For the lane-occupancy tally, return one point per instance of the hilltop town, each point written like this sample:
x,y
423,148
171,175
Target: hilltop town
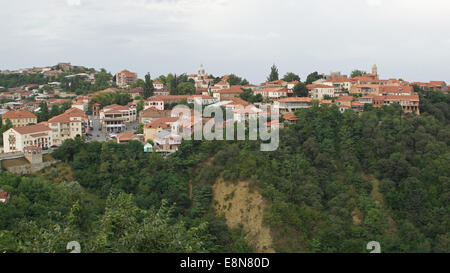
x,y
64,101
359,157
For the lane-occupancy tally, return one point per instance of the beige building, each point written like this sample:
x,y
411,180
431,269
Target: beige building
x,y
20,118
68,125
114,118
17,139
319,91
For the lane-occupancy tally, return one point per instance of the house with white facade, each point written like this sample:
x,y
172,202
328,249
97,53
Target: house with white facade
x,y
18,138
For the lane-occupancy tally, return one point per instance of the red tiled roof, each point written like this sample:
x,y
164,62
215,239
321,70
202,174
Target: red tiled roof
x,y
402,97
161,122
19,114
313,86
38,128
345,98
126,136
290,117
232,90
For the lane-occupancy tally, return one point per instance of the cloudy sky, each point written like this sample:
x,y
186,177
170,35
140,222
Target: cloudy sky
x,y
409,39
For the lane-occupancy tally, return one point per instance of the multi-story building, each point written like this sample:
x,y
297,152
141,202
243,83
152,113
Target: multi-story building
x,y
409,104
396,90
166,141
114,118
157,125
202,100
72,123
20,118
319,91
432,85
272,92
18,138
125,78
228,94
286,105
159,102
366,89
340,83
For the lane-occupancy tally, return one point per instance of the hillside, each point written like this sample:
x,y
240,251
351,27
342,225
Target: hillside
x,y
336,182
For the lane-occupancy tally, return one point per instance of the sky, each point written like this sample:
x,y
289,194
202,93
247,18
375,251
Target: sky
x,y
408,39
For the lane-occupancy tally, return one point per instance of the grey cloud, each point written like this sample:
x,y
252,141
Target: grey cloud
x,y
408,39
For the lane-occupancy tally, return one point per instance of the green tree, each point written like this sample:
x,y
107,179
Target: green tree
x,y
185,88
148,86
358,73
300,90
43,114
273,76
102,80
313,77
290,77
235,80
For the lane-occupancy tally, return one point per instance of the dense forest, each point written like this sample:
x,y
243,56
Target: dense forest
x,y
337,181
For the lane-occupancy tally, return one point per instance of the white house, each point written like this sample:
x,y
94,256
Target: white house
x,y
16,139
272,92
158,85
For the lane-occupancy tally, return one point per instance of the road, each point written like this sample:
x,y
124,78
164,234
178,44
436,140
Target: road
x,y
98,134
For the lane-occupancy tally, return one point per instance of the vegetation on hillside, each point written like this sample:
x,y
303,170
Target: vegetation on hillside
x,y
337,181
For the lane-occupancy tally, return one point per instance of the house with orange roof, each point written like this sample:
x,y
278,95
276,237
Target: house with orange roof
x,y
159,102
368,99
18,138
278,83
157,125
201,99
396,90
319,91
125,78
272,92
409,103
344,103
437,86
228,94
221,85
340,83
20,118
4,196
366,89
69,125
158,85
290,117
286,105
127,137
149,114
357,106
326,102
